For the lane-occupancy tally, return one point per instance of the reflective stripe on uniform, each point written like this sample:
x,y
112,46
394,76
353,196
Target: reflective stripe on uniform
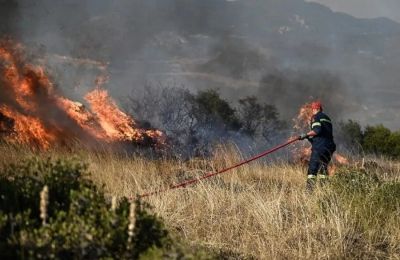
x,y
315,124
325,120
310,176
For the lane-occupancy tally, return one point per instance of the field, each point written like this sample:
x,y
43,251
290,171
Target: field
x,y
259,211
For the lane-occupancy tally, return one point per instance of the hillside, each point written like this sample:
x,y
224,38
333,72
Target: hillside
x,y
195,43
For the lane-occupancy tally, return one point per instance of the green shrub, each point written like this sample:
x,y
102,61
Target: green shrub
x,y
376,139
21,184
80,221
350,182
150,233
394,145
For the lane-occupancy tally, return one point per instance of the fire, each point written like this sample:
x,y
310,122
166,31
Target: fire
x,y
302,121
302,151
28,129
35,113
116,124
341,159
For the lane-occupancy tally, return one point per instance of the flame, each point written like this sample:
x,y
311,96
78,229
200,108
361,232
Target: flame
x,y
302,121
302,151
29,130
33,111
84,118
341,159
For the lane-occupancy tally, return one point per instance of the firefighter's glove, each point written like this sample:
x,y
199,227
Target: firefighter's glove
x,y
303,136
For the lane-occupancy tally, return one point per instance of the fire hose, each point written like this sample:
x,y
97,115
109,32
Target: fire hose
x,y
209,175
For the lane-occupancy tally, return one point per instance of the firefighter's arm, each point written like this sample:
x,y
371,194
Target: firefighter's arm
x,y
312,133
308,135
316,130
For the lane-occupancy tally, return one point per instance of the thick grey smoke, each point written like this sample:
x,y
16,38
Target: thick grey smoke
x,y
285,52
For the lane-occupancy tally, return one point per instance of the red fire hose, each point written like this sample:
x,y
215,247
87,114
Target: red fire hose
x,y
209,175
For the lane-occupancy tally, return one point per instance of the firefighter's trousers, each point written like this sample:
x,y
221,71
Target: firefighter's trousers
x,y
318,166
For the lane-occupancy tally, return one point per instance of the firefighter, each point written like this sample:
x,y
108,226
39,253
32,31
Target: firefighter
x,y
323,145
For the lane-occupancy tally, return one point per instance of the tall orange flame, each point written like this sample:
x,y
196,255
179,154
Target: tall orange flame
x,y
38,115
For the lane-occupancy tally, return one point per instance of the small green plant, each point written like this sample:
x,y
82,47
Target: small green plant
x,y
349,182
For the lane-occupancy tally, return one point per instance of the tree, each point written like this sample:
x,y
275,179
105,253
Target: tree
x,y
258,119
376,139
168,108
393,148
351,134
211,109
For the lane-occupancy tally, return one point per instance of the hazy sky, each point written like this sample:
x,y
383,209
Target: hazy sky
x,y
365,8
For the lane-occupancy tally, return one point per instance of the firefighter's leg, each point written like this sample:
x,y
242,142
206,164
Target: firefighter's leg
x,y
313,169
323,172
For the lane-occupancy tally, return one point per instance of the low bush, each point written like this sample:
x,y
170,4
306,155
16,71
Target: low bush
x,y
76,221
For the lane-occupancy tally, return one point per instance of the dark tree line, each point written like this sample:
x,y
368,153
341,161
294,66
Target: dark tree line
x,y
377,139
194,122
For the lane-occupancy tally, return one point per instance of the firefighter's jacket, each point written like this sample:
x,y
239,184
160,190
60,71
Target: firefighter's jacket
x,y
321,124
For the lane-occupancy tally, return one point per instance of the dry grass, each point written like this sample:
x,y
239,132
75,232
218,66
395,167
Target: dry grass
x,y
257,211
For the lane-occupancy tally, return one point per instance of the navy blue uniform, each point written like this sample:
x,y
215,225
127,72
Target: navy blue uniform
x,y
323,146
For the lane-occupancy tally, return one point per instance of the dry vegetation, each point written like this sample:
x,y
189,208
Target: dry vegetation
x,y
258,211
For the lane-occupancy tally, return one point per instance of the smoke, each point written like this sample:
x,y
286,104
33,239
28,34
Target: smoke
x,y
288,90
284,52
8,10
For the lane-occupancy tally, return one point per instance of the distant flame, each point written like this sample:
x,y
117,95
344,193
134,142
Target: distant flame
x,y
39,116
